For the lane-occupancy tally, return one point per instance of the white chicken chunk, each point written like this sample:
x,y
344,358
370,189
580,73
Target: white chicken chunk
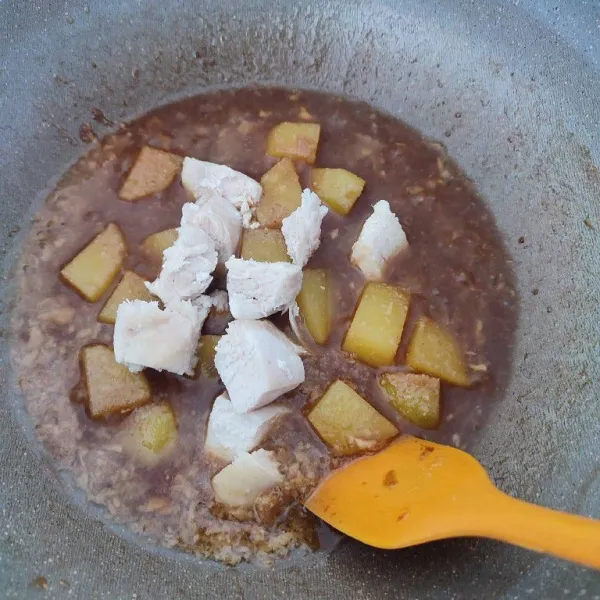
x,y
381,238
231,433
259,289
257,364
187,268
198,176
246,478
216,217
302,229
165,340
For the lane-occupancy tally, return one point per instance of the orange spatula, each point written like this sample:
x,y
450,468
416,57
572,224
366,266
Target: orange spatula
x,y
416,491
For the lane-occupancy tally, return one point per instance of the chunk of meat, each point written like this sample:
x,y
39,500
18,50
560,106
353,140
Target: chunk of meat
x,y
257,364
259,289
198,176
153,171
187,268
216,217
230,433
246,478
302,229
381,238
165,340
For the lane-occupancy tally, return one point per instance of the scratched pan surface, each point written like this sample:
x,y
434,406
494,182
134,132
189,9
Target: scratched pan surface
x,y
525,78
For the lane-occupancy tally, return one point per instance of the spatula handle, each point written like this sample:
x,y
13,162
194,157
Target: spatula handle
x,y
541,529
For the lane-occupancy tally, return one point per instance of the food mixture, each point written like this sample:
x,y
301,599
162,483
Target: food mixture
x,y
239,292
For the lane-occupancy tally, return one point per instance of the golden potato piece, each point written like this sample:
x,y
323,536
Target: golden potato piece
x,y
131,287
415,397
264,245
206,356
92,271
337,188
150,432
376,329
281,194
347,423
295,140
153,171
314,301
433,350
111,387
154,245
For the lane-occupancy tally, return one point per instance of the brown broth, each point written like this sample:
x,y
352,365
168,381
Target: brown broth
x,y
456,269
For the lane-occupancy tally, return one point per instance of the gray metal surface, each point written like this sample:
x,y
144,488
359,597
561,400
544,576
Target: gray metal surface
x,y
525,79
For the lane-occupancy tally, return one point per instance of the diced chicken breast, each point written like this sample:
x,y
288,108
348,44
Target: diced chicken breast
x,y
197,176
259,289
257,364
381,238
246,478
165,340
219,301
187,268
302,229
231,433
216,217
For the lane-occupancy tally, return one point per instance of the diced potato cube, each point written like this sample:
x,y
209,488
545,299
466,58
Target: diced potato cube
x,y
433,350
131,287
337,188
347,423
264,245
111,387
206,356
92,271
281,194
150,432
376,329
314,301
154,245
415,397
295,140
153,171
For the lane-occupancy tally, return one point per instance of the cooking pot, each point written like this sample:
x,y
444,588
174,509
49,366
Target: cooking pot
x,y
513,91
